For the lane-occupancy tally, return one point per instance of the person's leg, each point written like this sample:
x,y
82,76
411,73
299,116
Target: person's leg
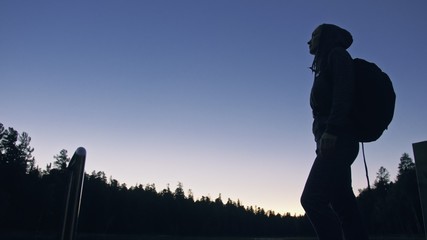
x,y
316,199
344,202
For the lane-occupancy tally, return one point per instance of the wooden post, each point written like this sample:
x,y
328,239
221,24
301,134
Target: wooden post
x,y
420,153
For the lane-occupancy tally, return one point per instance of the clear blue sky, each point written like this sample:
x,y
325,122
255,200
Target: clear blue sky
x,y
213,94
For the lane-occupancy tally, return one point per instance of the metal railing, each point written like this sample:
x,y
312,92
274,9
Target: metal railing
x,y
75,175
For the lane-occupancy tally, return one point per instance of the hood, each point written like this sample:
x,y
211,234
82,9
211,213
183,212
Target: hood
x,y
333,36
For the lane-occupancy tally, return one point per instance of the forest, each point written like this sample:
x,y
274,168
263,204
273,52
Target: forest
x,y
32,200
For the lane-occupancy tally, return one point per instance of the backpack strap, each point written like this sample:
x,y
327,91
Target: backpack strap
x,y
366,166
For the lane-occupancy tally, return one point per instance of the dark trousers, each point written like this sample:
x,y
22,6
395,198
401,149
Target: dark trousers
x,y
328,197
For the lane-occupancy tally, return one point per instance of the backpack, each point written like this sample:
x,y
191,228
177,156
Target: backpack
x,y
374,100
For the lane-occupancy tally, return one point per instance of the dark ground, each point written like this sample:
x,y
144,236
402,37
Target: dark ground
x,y
29,236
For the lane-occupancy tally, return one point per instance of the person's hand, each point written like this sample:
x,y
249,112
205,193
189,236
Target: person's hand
x,y
327,143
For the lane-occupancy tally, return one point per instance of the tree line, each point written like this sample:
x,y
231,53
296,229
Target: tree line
x,y
33,200
394,207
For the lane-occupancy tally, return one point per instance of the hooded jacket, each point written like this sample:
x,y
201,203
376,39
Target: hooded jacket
x,y
332,94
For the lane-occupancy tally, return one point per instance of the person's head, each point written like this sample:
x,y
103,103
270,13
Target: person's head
x,y
313,44
327,36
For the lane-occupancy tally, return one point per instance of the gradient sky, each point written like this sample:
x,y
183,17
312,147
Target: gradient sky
x,y
213,94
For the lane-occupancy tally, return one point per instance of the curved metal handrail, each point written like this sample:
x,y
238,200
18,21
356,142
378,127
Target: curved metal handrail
x,y
75,175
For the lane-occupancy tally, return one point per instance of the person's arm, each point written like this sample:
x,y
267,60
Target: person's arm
x,y
342,73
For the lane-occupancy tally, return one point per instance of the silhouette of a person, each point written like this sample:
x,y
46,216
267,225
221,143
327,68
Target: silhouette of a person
x,y
328,197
